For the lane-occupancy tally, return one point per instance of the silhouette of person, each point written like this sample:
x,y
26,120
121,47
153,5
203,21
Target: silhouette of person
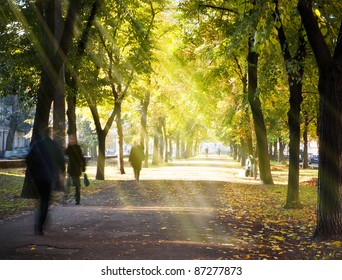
x,y
44,162
136,157
76,165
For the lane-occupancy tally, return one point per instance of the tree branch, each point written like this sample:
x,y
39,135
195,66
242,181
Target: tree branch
x,y
281,34
67,35
338,49
315,36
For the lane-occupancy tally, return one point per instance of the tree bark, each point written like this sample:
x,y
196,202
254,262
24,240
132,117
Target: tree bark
x,y
329,212
13,123
71,102
155,157
166,147
178,151
100,168
121,164
143,120
243,155
281,156
258,118
305,140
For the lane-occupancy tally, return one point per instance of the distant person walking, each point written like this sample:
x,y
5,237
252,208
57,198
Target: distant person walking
x,y
44,162
76,165
136,157
206,151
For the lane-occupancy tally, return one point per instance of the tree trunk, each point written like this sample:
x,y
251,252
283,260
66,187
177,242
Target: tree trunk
x,y
235,151
183,152
53,55
101,135
258,118
178,152
146,151
121,164
292,200
143,120
13,124
305,140
275,150
71,79
243,152
166,147
281,156
59,109
59,87
100,169
71,101
160,129
329,220
155,157
189,148
329,212
170,147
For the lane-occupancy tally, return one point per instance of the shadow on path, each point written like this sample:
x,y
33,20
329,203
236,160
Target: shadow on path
x,y
170,214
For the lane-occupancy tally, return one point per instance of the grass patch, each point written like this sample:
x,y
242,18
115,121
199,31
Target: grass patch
x,y
11,203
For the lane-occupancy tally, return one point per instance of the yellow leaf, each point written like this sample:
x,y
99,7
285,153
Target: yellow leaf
x,y
318,13
279,238
337,244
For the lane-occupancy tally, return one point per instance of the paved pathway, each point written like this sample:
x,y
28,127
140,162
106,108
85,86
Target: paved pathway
x,y
114,225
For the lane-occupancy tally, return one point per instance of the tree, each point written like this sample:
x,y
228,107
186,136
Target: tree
x,y
119,50
234,20
294,65
71,72
52,43
329,220
53,46
254,101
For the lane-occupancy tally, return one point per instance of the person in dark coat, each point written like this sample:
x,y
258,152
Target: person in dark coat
x,y
76,165
136,157
45,162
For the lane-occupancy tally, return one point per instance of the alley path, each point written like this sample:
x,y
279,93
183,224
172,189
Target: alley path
x,y
170,214
190,209
201,168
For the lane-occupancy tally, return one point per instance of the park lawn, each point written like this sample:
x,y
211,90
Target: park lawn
x,y
11,203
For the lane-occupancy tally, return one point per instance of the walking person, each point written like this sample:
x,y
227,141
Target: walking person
x,y
76,165
45,162
136,157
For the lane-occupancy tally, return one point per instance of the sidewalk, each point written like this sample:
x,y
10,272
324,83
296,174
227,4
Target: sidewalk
x,y
117,224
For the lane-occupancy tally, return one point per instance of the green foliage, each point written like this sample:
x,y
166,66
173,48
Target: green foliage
x,y
189,55
19,74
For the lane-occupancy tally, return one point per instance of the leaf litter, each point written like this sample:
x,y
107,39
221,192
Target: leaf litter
x,y
245,221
